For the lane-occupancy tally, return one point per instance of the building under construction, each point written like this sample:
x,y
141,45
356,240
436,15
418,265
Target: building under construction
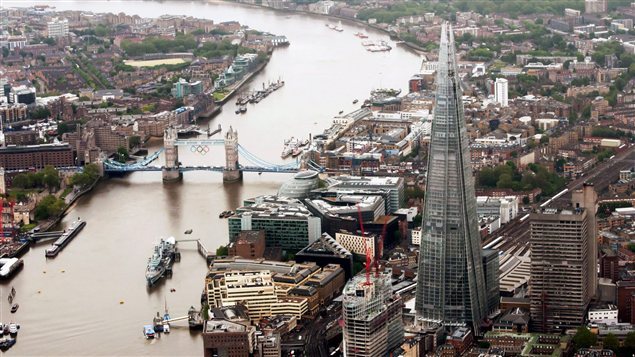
x,y
372,316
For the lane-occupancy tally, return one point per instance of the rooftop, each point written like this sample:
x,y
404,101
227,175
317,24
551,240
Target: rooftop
x,y
326,245
356,181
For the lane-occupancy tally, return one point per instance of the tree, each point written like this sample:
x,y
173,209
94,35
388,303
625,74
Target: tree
x,y
122,154
610,342
583,338
629,341
41,113
51,178
572,117
134,141
222,251
620,83
50,206
21,181
86,178
559,165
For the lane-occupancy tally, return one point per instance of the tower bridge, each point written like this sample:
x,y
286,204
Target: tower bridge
x,y
173,170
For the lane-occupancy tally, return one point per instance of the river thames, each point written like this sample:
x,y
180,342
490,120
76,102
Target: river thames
x,y
92,299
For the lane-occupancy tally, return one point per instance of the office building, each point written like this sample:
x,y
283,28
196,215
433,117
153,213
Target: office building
x,y
451,288
300,185
506,208
343,211
357,243
595,6
325,251
626,300
560,273
248,244
491,266
256,290
501,90
609,264
603,314
286,222
372,316
390,188
228,332
23,95
270,288
57,28
269,345
183,88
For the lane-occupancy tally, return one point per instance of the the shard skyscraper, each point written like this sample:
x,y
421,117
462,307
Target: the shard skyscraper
x,y
450,283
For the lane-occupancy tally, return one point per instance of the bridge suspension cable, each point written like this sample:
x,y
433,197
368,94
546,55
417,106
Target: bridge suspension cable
x,y
260,162
118,166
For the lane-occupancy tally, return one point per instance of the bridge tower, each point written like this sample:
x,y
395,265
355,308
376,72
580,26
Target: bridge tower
x,y
171,171
232,170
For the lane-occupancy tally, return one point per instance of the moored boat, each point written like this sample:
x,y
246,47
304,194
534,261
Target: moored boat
x,y
6,343
148,331
161,261
65,238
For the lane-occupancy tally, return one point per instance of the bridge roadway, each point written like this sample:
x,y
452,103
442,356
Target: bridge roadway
x,y
516,232
205,168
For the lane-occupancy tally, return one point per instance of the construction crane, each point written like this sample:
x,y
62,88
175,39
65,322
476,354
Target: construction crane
x,y
369,259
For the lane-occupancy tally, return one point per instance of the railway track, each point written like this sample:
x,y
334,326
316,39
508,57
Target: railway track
x,y
515,234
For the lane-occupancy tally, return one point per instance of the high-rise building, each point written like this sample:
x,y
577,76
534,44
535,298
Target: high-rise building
x,y
57,28
559,268
491,266
595,6
451,287
501,89
587,198
372,316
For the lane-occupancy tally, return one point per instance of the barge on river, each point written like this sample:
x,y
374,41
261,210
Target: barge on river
x,y
65,238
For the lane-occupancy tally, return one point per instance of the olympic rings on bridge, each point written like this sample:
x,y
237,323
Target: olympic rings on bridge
x,y
201,149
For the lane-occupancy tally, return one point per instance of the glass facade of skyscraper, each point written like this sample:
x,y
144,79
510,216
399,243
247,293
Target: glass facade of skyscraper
x,y
451,286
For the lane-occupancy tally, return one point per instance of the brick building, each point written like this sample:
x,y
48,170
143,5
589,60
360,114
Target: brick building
x,y
36,156
248,244
20,138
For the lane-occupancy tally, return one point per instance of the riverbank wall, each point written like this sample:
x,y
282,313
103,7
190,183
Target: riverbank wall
x,y
57,219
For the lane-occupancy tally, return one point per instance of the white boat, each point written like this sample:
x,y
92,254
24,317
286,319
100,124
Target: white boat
x,y
379,46
339,27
